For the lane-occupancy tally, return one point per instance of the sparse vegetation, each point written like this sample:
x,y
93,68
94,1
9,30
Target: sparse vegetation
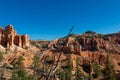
x,y
1,67
51,66
97,70
1,56
109,71
79,75
19,72
90,32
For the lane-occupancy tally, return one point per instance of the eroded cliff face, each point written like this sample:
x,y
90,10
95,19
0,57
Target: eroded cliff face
x,y
86,47
87,42
9,38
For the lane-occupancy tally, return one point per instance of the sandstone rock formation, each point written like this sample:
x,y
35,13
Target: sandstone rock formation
x,y
86,49
87,42
9,37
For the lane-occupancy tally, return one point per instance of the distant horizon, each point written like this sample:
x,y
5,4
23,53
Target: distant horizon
x,y
72,33
51,19
3,27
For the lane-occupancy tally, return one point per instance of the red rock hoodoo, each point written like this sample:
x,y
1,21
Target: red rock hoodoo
x,y
9,37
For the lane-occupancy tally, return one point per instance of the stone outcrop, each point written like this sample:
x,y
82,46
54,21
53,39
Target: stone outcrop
x,y
9,37
87,42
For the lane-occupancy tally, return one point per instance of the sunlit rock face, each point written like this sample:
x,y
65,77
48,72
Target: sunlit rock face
x,y
9,37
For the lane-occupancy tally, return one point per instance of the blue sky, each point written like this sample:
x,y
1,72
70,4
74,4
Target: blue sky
x,y
51,19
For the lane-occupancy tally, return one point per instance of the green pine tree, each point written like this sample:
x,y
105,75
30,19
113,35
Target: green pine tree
x,y
79,75
109,71
97,70
36,65
69,69
66,73
1,69
1,56
19,73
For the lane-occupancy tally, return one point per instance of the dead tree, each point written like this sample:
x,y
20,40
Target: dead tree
x,y
53,69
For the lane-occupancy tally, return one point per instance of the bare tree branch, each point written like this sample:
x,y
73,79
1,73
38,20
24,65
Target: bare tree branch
x,y
53,69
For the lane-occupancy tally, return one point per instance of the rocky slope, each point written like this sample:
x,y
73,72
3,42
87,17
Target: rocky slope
x,y
89,46
86,48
